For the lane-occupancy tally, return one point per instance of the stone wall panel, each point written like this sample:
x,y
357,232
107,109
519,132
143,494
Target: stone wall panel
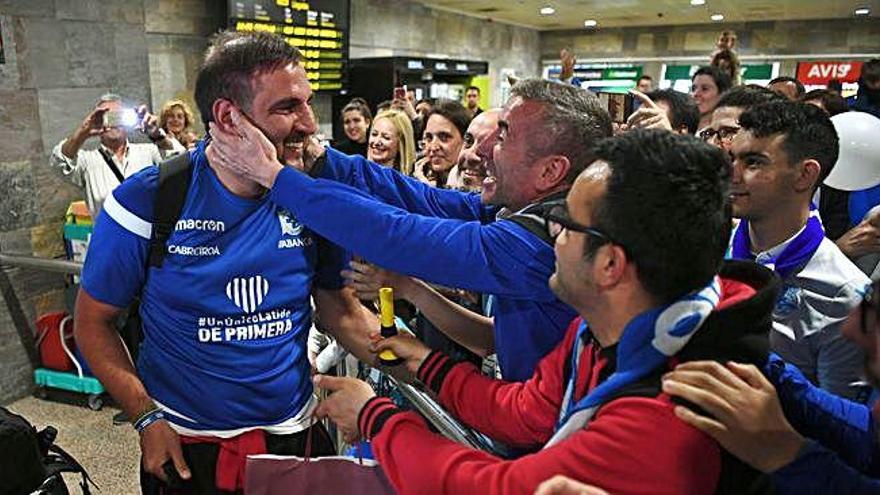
x,y
63,110
17,205
91,54
53,192
19,125
41,46
28,8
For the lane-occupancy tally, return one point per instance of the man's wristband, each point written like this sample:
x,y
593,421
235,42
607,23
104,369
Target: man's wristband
x,y
148,418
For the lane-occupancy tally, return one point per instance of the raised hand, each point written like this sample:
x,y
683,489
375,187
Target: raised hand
x,y
244,150
746,416
862,239
366,279
93,124
649,115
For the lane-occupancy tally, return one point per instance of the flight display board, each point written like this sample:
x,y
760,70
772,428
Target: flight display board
x,y
318,28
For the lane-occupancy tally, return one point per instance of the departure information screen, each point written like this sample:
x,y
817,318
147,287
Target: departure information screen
x,y
318,28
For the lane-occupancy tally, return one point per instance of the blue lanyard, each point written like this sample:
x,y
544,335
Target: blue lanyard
x,y
570,407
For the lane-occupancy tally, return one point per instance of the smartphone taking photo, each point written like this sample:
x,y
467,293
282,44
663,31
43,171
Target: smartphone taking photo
x,y
619,105
126,117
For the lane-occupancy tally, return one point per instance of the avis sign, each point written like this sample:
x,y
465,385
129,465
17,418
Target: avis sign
x,y
822,72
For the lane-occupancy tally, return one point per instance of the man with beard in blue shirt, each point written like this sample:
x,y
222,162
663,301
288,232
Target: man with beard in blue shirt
x,y
494,242
222,372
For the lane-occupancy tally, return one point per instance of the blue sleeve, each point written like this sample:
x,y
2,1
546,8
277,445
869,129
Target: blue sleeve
x,y
841,425
332,259
500,258
115,267
396,189
820,471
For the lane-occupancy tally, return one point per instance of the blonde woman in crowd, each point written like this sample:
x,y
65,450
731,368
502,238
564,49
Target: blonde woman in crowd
x,y
177,120
392,143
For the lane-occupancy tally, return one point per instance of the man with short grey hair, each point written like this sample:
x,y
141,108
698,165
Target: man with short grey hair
x,y
495,242
100,170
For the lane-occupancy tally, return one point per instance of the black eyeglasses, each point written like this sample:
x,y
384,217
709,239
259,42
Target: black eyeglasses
x,y
557,219
725,134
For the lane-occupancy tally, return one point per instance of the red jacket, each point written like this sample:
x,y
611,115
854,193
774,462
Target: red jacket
x,y
632,445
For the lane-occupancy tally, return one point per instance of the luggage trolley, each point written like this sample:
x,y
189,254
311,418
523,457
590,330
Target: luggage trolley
x,y
79,382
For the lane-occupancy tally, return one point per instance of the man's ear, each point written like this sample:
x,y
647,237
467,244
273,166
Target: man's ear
x,y
807,175
610,265
555,170
222,110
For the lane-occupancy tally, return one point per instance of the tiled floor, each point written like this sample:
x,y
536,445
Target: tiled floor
x,y
109,453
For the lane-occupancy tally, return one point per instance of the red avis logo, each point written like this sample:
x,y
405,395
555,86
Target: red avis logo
x,y
822,72
835,71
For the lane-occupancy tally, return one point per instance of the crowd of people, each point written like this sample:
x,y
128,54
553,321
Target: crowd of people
x,y
673,301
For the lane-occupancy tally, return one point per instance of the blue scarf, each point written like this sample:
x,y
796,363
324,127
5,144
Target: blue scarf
x,y
648,341
794,256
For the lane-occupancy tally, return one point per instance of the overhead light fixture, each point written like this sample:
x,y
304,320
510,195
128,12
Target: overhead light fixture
x,y
548,10
862,11
717,17
591,23
698,2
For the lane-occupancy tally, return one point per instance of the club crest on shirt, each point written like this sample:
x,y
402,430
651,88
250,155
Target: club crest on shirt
x,y
293,234
289,225
788,301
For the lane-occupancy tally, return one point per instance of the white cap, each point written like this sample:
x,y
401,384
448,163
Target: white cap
x,y
858,166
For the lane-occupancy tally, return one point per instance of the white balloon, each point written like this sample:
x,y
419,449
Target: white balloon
x,y
858,166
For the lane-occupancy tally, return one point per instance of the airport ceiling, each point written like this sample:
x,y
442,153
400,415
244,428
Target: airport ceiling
x,y
572,14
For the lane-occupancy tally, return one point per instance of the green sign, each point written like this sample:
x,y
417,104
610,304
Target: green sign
x,y
634,73
676,72
590,72
762,72
749,72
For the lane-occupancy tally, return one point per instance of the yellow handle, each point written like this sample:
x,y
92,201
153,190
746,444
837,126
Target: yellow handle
x,y
387,355
386,306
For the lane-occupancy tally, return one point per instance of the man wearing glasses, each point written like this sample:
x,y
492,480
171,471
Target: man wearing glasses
x,y
725,117
494,242
639,243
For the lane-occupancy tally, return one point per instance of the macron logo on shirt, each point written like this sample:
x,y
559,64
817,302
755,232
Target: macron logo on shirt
x,y
207,225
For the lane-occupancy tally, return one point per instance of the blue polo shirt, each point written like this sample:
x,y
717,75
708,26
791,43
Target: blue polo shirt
x,y
227,316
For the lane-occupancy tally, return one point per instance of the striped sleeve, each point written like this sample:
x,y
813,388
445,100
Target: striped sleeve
x,y
115,266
